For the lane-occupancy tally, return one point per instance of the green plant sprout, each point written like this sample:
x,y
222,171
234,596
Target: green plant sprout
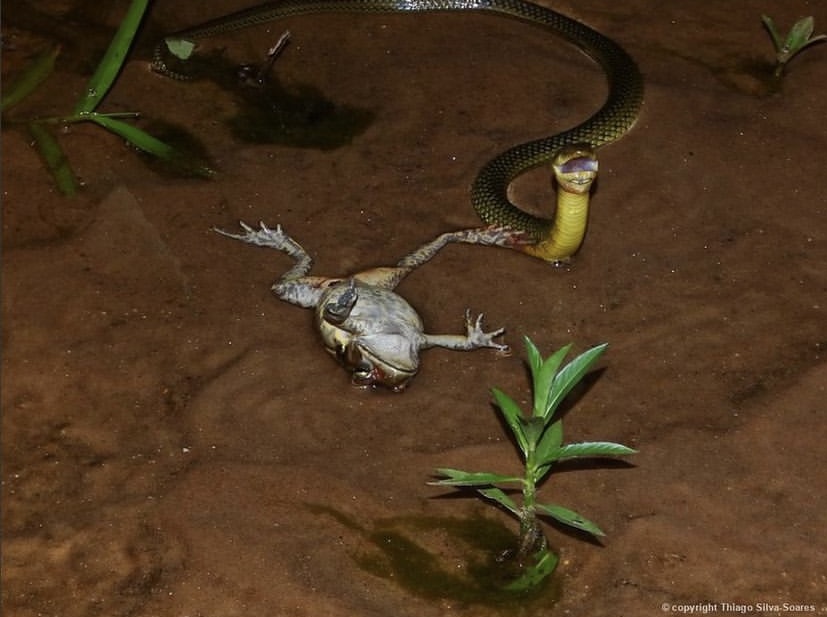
x,y
799,37
85,110
540,440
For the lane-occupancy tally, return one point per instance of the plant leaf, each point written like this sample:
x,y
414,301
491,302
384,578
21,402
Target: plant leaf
x,y
146,142
180,48
497,494
535,360
533,430
549,447
27,82
535,573
593,449
513,417
55,159
457,477
570,376
800,33
570,518
112,62
544,381
770,26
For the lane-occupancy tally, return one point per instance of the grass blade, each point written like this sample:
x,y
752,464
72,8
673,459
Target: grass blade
x,y
149,144
55,159
37,71
112,62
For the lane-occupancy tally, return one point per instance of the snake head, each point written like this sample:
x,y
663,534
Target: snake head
x,y
575,168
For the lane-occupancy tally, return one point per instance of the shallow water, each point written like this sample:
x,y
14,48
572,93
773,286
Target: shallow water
x,y
166,420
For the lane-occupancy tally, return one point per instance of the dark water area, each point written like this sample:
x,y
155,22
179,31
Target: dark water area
x,y
166,420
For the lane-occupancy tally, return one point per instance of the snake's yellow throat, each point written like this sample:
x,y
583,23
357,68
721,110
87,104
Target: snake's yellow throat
x,y
575,169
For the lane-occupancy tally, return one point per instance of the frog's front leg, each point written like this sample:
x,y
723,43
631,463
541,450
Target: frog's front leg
x,y
474,337
294,286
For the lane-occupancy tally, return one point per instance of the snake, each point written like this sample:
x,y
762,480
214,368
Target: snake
x,y
538,236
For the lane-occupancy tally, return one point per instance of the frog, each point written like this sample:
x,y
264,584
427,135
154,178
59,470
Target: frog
x,y
373,332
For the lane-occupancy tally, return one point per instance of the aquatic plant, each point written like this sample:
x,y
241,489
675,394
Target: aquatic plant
x,y
799,37
85,109
539,437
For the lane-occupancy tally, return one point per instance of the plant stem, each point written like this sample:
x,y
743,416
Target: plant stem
x,y
532,538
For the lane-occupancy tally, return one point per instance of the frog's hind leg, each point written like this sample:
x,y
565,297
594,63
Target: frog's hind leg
x,y
294,286
492,235
389,278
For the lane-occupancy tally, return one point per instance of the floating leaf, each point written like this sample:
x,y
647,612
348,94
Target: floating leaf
x,y
180,48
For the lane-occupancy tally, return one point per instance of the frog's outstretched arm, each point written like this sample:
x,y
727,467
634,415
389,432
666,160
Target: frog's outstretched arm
x,y
474,337
294,286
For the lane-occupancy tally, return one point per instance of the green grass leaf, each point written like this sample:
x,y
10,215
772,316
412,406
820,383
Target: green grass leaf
x,y
112,62
55,159
570,518
593,449
149,144
27,82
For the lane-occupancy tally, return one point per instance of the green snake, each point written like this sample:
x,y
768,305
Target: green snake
x,y
489,192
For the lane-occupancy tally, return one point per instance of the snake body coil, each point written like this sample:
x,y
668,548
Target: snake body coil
x,y
489,190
